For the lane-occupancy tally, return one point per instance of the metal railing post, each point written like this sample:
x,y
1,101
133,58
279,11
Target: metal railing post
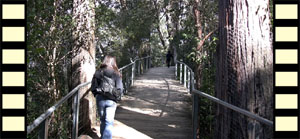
x,y
132,73
139,69
180,73
191,81
142,65
43,133
146,65
195,117
127,79
184,76
195,108
149,62
188,80
75,115
149,59
176,71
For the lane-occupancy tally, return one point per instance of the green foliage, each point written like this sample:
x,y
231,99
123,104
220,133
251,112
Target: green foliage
x,y
121,32
186,41
49,43
125,31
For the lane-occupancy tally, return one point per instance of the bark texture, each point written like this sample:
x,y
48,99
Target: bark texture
x,y
244,68
83,61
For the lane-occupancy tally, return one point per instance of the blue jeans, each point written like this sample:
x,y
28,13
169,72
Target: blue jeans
x,y
106,109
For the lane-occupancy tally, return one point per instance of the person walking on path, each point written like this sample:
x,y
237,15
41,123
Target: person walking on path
x,y
107,104
169,56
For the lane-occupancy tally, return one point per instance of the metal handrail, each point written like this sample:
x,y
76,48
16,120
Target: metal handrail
x,y
43,118
124,67
184,64
45,115
235,108
133,62
190,81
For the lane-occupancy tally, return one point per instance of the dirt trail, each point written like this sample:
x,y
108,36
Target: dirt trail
x,y
157,107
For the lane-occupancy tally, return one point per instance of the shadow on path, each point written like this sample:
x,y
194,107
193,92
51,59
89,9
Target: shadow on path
x,y
157,106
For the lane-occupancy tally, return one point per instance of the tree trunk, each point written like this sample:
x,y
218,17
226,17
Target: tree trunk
x,y
201,38
198,24
244,68
83,60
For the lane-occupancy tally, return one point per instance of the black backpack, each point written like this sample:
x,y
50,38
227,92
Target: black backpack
x,y
105,86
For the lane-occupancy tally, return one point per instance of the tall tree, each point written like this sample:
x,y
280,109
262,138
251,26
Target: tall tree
x,y
83,60
202,36
244,67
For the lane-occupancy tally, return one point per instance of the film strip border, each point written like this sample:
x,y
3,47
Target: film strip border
x,y
286,69
13,68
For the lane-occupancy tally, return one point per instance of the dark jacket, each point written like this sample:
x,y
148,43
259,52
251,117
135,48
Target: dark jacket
x,y
169,56
108,72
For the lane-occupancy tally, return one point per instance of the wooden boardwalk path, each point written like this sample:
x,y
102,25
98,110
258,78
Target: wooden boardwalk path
x,y
157,107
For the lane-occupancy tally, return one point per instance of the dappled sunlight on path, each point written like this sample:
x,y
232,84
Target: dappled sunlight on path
x,y
157,106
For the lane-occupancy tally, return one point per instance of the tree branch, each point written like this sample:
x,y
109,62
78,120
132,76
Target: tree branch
x,y
161,37
204,39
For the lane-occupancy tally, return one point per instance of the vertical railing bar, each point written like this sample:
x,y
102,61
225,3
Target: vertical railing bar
x,y
132,73
191,81
146,63
150,62
180,73
195,108
46,128
143,65
176,71
139,67
149,59
127,79
195,115
75,115
43,132
188,80
149,66
184,76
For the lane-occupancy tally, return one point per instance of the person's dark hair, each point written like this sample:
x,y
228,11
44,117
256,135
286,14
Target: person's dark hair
x,y
110,62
